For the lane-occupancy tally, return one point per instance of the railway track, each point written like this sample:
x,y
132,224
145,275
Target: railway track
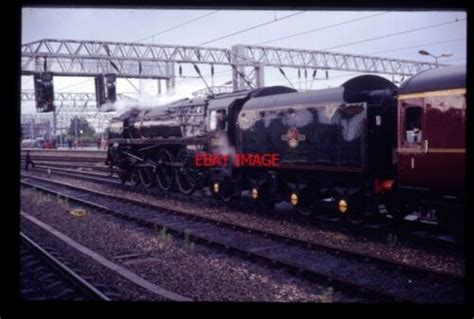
x,y
419,236
86,167
45,277
378,279
32,282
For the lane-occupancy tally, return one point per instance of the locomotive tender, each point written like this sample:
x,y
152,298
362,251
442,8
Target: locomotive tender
x,y
362,148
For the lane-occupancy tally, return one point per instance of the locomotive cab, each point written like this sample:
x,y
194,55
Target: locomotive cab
x,y
223,136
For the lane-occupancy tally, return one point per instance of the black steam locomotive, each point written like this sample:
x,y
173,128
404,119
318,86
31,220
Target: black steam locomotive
x,y
334,148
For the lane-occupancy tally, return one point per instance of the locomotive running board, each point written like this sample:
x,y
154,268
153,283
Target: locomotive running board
x,y
161,141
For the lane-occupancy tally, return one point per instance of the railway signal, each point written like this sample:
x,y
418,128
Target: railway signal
x,y
105,89
44,92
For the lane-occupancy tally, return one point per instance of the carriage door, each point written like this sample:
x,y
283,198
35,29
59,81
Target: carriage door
x,y
412,143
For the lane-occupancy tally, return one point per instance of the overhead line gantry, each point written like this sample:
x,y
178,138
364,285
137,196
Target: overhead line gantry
x,y
156,61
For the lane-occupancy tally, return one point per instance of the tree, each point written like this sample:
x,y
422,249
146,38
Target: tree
x,y
80,127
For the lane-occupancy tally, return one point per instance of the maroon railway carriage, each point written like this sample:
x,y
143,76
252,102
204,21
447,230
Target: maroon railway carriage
x,y
431,146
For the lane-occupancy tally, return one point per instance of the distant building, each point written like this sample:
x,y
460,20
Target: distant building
x,y
32,130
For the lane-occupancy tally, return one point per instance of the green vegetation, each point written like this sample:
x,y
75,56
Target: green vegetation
x,y
38,197
328,295
165,235
81,127
392,240
188,244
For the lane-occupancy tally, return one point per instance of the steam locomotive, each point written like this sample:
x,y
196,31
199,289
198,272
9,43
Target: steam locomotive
x,y
364,148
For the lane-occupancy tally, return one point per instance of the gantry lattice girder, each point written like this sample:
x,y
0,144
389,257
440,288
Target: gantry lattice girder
x,y
47,117
316,59
69,105
71,96
73,57
215,90
125,51
63,119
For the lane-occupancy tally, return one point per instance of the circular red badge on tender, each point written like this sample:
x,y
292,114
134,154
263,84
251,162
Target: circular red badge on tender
x,y
293,137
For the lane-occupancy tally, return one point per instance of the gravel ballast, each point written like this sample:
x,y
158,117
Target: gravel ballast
x,y
399,253
177,265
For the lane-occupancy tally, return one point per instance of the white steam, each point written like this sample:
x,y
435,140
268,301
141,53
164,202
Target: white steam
x,y
143,100
326,113
352,127
299,118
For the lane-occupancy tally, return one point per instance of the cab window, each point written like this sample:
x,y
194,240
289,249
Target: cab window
x,y
413,120
217,120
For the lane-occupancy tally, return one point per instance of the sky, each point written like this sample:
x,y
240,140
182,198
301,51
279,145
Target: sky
x,y
417,30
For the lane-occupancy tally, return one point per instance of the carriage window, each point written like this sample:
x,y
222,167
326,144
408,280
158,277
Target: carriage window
x,y
413,132
217,120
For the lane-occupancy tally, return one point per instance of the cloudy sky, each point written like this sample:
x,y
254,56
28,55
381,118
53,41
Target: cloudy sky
x,y
391,34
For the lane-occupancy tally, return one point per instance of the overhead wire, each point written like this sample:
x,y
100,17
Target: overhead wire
x,y
457,59
251,28
417,46
314,30
334,25
301,33
74,85
394,34
308,31
161,32
248,29
179,25
354,73
173,28
221,73
321,28
398,33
